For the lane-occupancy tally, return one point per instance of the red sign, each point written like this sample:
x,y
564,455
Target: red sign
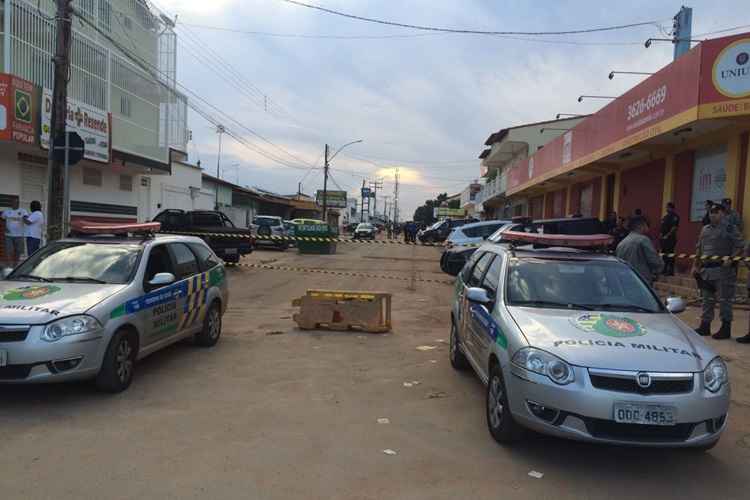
x,y
725,77
18,115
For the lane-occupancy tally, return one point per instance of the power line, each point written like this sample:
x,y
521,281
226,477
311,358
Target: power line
x,y
150,69
468,31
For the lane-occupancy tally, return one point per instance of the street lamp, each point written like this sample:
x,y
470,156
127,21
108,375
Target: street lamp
x,y
570,115
581,98
671,40
543,130
325,176
613,73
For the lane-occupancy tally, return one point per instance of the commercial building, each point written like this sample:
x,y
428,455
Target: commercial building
x,y
133,121
680,135
507,148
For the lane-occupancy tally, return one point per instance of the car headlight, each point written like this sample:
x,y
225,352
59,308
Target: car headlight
x,y
715,375
73,325
544,363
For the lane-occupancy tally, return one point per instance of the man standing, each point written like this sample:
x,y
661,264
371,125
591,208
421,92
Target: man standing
x,y
638,251
14,232
717,275
668,232
732,216
707,205
34,222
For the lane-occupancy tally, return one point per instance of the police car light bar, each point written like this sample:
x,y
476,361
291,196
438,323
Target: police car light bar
x,y
560,240
86,227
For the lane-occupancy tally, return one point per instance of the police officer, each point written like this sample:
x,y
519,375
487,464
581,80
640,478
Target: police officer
x,y
732,216
638,251
717,275
668,232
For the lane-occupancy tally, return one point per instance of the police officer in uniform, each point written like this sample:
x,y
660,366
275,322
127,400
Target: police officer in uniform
x,y
668,233
732,216
717,276
638,251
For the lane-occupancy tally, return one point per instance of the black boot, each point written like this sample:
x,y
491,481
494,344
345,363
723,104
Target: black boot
x,y
724,332
744,340
705,329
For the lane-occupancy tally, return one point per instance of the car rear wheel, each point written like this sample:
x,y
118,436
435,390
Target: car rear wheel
x,y
209,335
458,360
500,421
118,366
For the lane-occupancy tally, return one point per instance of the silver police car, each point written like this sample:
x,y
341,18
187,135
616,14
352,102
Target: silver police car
x,y
90,307
575,344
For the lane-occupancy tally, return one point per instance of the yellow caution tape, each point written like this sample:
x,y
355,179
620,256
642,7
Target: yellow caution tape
x,y
338,273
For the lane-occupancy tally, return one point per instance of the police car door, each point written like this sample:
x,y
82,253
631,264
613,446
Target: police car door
x,y
158,312
191,281
484,325
475,280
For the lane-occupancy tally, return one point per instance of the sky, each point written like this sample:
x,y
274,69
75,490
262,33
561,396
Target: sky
x,y
420,102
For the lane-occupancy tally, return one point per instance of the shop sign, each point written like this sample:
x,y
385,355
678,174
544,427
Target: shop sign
x,y
444,212
90,123
17,113
731,70
709,178
334,199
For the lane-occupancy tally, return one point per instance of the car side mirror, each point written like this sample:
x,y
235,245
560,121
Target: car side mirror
x,y
5,272
162,279
478,296
676,305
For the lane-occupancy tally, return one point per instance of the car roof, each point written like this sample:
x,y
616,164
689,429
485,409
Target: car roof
x,y
134,240
484,223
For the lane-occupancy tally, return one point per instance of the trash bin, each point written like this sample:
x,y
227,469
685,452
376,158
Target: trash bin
x,y
315,231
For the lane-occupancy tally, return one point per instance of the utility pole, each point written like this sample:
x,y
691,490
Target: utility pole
x,y
375,185
395,199
219,130
325,187
56,209
362,210
683,30
299,189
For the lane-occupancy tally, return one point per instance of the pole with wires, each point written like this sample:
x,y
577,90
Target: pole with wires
x,y
219,130
325,186
57,171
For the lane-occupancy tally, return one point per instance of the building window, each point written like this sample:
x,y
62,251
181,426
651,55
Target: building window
x,y
87,7
127,23
125,105
92,176
126,183
105,15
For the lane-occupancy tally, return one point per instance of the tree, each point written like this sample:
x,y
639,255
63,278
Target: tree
x,y
454,204
425,213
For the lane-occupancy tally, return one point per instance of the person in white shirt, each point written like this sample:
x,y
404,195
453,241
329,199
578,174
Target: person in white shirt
x,y
34,222
14,233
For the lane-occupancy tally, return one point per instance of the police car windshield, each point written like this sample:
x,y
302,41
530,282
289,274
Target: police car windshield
x,y
568,283
80,262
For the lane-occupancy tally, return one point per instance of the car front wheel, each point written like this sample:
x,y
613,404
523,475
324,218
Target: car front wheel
x,y
500,421
118,366
211,331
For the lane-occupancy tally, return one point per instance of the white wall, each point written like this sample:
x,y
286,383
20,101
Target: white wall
x,y
10,171
181,190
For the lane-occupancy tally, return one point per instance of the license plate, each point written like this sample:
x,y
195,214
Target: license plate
x,y
642,414
3,358
230,251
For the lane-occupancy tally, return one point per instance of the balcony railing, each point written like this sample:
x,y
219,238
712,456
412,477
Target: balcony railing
x,y
493,188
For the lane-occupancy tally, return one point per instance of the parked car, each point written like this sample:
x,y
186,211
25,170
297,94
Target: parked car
x,y
237,242
90,307
473,233
575,344
569,225
270,231
438,232
365,231
453,259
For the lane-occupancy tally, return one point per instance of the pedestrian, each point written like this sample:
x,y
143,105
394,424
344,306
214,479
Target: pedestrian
x,y
715,272
638,251
746,254
34,222
732,216
14,232
707,205
610,222
670,223
619,232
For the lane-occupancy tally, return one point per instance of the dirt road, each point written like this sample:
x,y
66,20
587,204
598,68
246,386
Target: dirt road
x,y
276,413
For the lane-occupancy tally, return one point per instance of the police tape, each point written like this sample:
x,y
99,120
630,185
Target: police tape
x,y
714,258
310,239
269,267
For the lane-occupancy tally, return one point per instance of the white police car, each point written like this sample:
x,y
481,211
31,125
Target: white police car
x,y
91,306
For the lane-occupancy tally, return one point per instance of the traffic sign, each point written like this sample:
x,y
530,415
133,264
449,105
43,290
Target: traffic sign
x,y
75,147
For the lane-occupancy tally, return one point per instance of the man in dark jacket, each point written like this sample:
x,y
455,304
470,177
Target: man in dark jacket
x,y
638,251
668,237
